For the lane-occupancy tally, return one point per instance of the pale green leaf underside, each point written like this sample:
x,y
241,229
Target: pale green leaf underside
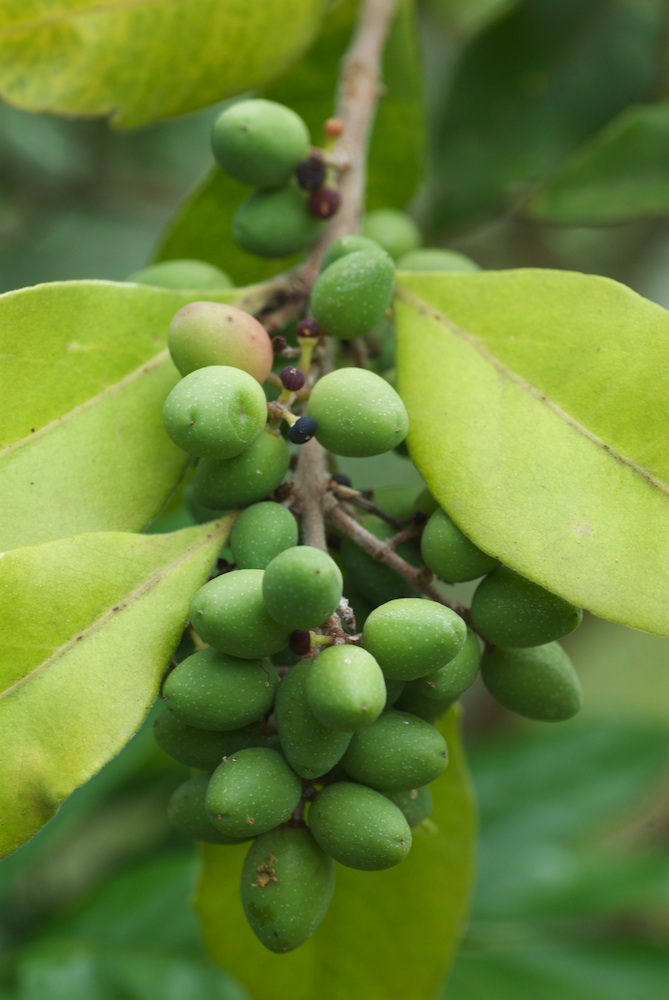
x,y
142,60
538,404
87,625
388,935
85,372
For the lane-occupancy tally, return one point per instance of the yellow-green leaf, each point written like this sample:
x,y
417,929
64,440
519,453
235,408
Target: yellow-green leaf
x,y
538,409
142,60
84,375
87,626
388,935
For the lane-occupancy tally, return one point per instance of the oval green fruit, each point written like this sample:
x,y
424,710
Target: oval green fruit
x,y
203,749
311,748
286,887
345,688
411,637
251,792
351,296
538,682
229,613
182,274
430,696
259,142
397,752
349,244
186,812
510,610
275,223
435,259
357,413
394,230
260,533
246,478
415,803
450,554
302,587
213,333
359,827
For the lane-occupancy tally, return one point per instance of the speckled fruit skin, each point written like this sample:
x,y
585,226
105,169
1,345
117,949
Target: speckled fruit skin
x,y
203,749
349,244
251,792
302,586
430,696
286,887
396,231
411,637
539,682
397,752
435,259
345,688
415,803
213,690
183,274
509,610
259,142
229,613
358,414
450,554
353,293
187,813
215,412
260,533
359,827
244,479
213,333
275,223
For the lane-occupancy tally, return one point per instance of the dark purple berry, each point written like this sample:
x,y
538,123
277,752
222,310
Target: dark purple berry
x,y
308,328
323,203
302,430
311,173
299,642
292,378
279,344
340,478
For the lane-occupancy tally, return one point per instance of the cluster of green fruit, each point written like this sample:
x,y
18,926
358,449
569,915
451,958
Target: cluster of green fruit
x,y
316,738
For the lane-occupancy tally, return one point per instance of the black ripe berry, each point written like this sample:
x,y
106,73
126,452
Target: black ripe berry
x,y
279,344
300,642
302,430
308,328
292,378
311,173
323,203
340,478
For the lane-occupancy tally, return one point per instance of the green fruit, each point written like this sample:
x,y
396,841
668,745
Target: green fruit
x,y
246,478
430,696
412,637
302,587
183,274
357,413
435,259
213,690
213,333
251,792
286,887
311,748
215,412
359,827
275,223
539,682
186,812
259,142
393,691
229,613
450,554
415,803
351,296
198,511
394,230
203,749
510,610
349,244
260,533
345,688
397,752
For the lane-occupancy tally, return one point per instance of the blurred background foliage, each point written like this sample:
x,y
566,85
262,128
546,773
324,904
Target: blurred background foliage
x,y
547,126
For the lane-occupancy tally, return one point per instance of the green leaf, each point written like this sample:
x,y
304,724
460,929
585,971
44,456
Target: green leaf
x,y
88,625
534,87
85,372
621,175
537,402
143,61
391,933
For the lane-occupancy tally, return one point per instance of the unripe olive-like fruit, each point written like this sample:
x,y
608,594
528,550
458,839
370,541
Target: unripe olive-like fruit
x,y
215,412
359,827
311,748
358,414
435,259
396,752
450,554
251,792
186,811
394,230
510,610
539,682
260,533
213,333
259,142
349,244
302,586
229,613
213,690
286,887
430,696
201,748
393,690
244,479
275,223
412,637
415,803
345,688
183,274
352,294
198,511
